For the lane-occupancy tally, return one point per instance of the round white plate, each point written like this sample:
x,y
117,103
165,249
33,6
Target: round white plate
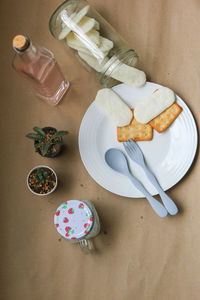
x,y
169,154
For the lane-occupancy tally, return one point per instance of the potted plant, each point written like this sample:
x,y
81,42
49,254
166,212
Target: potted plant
x,y
48,141
42,180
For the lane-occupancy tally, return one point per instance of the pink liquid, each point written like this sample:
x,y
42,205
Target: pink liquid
x,y
38,66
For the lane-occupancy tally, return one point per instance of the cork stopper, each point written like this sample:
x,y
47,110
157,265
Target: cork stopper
x,y
20,42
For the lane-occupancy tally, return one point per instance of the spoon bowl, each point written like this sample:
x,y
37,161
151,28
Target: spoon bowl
x,y
117,161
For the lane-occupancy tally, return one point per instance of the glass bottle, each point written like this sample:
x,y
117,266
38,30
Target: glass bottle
x,y
38,66
95,43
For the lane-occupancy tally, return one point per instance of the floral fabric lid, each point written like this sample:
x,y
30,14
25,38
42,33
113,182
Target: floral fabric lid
x,y
73,219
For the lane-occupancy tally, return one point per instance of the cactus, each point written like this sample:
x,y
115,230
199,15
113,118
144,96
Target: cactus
x,y
44,141
41,176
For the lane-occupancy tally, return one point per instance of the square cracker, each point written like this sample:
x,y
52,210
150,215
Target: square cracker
x,y
165,119
135,131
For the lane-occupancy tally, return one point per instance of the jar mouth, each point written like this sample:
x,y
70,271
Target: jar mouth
x,y
128,57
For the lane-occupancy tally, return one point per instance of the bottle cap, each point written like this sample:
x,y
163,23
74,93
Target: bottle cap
x,y
73,219
20,42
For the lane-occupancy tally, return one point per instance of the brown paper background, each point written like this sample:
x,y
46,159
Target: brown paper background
x,y
140,256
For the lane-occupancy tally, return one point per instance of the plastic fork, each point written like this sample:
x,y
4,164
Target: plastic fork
x,y
135,153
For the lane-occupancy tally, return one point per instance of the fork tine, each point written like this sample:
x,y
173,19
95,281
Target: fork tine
x,y
133,150
136,147
125,145
126,148
133,144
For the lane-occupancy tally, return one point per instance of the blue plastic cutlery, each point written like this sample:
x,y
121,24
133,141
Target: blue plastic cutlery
x,y
135,153
117,161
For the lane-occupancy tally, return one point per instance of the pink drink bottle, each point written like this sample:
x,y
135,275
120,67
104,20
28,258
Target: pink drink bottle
x,y
38,66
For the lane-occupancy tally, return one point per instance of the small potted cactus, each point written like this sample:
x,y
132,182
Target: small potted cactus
x,y
42,180
48,141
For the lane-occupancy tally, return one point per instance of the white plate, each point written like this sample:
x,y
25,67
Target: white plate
x,y
169,155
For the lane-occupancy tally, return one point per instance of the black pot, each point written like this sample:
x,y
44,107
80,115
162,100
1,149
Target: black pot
x,y
59,147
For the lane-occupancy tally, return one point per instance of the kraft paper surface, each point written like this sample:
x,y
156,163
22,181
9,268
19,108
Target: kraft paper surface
x,y
139,255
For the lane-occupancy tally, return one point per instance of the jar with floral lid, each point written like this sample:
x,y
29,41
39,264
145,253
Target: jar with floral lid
x,y
77,221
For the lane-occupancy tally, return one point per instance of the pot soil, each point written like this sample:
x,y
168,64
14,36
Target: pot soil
x,y
42,184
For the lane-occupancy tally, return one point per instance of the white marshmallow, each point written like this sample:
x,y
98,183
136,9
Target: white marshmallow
x,y
86,24
92,61
152,106
114,107
129,75
105,45
74,19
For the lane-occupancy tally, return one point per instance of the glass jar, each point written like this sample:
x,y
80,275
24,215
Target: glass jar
x,y
95,43
77,222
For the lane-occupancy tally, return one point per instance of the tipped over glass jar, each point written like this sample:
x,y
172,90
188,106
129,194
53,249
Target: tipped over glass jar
x,y
96,44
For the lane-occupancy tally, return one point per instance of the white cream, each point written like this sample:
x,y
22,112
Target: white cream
x,y
129,75
91,60
72,20
114,107
152,106
87,24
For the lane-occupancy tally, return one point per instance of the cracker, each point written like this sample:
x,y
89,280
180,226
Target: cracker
x,y
165,119
135,131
